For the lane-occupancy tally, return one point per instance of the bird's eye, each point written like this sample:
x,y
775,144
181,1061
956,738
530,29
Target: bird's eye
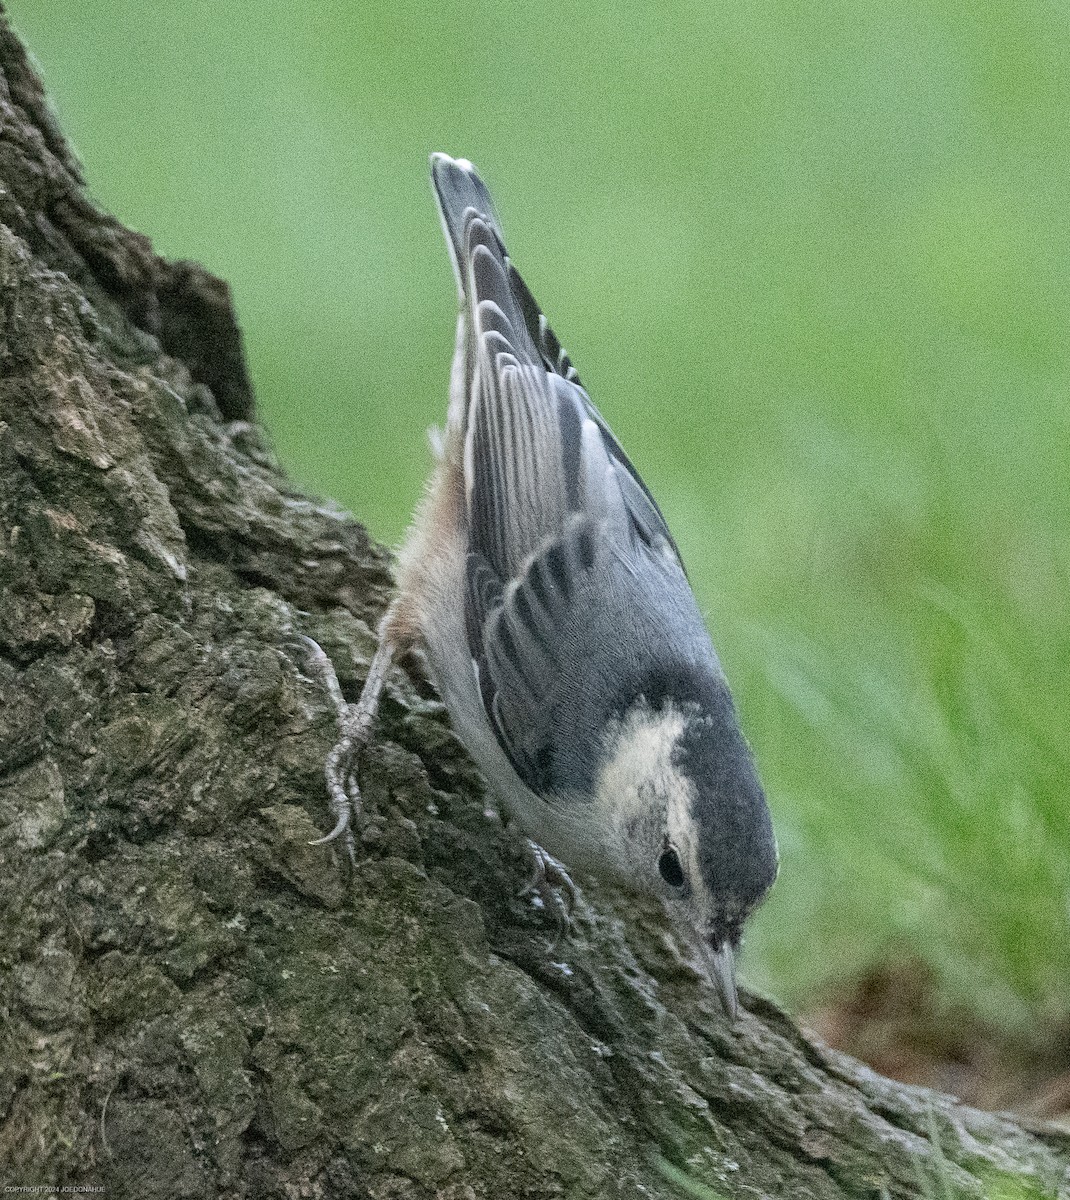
x,y
671,870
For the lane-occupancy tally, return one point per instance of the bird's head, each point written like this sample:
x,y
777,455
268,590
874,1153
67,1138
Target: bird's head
x,y
689,821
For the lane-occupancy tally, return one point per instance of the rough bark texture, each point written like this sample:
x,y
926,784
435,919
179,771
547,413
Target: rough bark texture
x,y
194,1002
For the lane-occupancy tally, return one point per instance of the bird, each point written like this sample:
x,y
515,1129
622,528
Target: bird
x,y
550,600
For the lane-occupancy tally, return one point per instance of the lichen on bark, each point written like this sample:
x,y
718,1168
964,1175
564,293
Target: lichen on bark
x,y
196,1002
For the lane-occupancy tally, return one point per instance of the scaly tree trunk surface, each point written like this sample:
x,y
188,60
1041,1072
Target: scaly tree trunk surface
x,y
194,1001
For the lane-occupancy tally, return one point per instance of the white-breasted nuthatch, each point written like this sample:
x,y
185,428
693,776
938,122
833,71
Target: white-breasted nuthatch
x,y
549,597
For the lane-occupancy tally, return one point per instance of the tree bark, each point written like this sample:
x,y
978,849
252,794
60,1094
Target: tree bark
x,y
197,1003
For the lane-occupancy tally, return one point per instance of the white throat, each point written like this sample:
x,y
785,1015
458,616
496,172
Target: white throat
x,y
640,777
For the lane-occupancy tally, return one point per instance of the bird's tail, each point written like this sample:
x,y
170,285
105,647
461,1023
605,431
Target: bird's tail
x,y
489,285
497,312
463,198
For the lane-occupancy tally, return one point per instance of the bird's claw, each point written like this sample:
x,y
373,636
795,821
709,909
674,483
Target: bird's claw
x,y
553,887
343,792
354,726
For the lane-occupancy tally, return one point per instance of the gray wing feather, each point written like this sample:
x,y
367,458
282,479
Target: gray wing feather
x,y
516,636
548,488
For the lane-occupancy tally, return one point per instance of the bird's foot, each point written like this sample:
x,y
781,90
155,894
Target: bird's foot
x,y
355,723
552,888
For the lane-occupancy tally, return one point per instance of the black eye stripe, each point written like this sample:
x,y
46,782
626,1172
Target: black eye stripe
x,y
671,869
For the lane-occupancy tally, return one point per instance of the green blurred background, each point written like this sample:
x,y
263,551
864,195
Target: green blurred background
x,y
811,260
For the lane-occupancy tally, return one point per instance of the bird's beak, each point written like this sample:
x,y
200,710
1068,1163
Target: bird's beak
x,y
721,968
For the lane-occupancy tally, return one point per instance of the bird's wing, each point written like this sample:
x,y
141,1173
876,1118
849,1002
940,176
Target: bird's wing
x,y
549,491
642,506
528,420
516,636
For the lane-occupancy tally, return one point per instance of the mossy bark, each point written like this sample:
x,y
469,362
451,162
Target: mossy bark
x,y
194,1001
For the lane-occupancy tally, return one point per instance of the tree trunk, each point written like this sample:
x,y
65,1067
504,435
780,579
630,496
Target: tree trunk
x,y
196,1002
